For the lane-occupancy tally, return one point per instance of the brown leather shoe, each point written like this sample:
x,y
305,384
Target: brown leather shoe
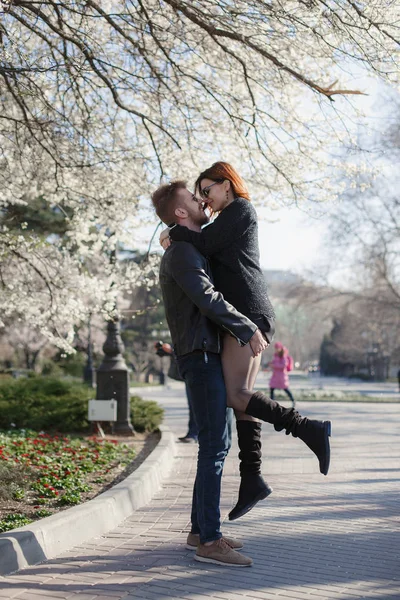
x,y
220,553
193,540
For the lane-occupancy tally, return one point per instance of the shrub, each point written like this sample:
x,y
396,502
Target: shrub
x,y
50,404
73,364
146,415
44,403
362,376
50,368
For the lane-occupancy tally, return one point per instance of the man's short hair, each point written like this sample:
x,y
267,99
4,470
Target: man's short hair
x,y
165,200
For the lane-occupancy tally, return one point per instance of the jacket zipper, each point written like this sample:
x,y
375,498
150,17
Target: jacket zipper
x,y
205,351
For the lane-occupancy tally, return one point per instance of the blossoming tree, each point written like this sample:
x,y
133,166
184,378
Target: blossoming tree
x,y
102,100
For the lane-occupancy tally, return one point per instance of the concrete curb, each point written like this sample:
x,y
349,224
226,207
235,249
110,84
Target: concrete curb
x,y
53,535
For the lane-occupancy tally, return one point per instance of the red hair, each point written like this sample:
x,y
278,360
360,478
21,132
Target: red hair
x,y
220,171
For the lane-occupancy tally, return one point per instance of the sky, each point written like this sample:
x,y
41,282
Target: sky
x,y
289,239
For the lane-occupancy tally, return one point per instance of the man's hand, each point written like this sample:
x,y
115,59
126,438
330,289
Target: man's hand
x,y
163,348
258,343
164,238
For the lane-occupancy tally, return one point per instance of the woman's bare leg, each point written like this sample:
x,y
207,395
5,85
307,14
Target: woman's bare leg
x,y
240,372
254,367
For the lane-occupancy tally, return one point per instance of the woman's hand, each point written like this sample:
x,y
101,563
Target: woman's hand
x,y
164,238
258,343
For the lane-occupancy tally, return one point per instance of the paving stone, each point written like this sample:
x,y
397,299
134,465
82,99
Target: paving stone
x,y
314,538
42,592
29,596
108,597
12,591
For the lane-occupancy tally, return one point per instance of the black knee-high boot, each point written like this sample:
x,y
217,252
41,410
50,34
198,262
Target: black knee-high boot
x,y
315,434
253,488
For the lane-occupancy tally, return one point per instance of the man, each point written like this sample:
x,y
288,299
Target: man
x,y
195,313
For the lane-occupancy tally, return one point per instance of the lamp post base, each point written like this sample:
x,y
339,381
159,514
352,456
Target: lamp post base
x,y
123,429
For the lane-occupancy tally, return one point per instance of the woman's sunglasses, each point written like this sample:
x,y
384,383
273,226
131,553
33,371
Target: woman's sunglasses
x,y
205,192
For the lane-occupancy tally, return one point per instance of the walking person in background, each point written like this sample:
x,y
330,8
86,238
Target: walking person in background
x,y
165,349
281,364
398,378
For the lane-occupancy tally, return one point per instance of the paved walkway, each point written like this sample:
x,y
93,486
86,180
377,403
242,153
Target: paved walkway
x,y
314,538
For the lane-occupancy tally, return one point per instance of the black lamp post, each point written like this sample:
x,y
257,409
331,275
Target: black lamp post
x,y
113,378
113,373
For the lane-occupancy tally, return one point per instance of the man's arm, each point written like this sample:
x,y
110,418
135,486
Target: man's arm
x,y
187,268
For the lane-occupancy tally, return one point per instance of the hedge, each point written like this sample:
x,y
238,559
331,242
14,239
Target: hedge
x,y
50,404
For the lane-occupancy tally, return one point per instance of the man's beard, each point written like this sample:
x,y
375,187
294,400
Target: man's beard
x,y
202,219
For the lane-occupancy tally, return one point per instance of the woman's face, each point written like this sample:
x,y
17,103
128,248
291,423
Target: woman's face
x,y
216,193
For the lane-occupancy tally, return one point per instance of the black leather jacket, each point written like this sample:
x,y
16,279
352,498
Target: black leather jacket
x,y
195,310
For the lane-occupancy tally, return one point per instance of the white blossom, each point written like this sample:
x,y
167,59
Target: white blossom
x,y
100,101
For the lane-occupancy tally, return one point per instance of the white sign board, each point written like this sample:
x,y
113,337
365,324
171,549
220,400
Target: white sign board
x,y
102,410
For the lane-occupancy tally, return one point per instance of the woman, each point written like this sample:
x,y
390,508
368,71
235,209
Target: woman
x,y
231,243
281,364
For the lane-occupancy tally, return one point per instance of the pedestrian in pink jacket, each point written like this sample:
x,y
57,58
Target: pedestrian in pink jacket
x,y
281,364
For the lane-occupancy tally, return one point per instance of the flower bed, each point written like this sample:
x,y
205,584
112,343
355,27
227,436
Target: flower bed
x,y
41,473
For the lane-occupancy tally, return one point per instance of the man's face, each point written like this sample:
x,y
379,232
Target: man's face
x,y
194,206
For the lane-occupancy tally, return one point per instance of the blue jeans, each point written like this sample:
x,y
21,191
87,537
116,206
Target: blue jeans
x,y
203,376
192,427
